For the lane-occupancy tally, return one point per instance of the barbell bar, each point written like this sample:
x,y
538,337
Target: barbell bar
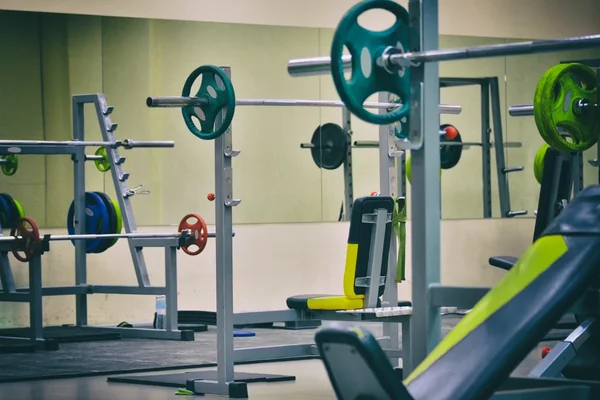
x,y
375,144
126,143
179,102
176,235
393,61
526,110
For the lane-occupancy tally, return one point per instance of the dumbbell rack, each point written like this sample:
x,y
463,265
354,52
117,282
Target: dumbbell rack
x,y
81,289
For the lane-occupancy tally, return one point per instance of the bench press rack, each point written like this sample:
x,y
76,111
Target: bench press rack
x,y
81,289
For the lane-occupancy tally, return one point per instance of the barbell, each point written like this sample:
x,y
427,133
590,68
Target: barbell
x,y
125,143
216,94
27,241
380,62
9,164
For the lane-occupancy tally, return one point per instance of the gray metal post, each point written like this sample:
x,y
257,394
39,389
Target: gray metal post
x,y
79,208
224,243
348,178
380,219
577,173
6,275
36,314
486,173
171,288
503,190
425,163
388,186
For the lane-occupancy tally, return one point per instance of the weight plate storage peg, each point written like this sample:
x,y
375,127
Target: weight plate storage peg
x,y
216,89
9,164
102,165
330,146
366,47
450,155
199,236
29,242
96,221
565,106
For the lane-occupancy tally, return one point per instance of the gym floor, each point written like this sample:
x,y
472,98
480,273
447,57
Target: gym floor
x,y
311,382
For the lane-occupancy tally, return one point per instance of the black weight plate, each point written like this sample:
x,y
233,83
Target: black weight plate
x,y
331,146
15,217
450,155
112,222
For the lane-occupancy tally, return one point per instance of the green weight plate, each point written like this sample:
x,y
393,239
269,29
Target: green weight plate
x,y
330,146
112,223
217,90
366,48
119,219
407,170
104,164
538,163
10,164
557,111
20,208
450,155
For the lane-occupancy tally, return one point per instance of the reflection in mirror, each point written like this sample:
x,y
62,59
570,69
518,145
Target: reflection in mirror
x,y
464,193
523,74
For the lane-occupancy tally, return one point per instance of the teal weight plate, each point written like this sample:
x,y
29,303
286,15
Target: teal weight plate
x,y
366,47
219,96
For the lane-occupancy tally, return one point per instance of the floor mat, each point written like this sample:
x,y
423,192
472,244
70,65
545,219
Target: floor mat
x,y
179,380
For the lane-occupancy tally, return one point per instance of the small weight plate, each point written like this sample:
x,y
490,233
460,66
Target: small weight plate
x,y
10,165
450,155
20,208
96,221
330,146
112,222
558,111
102,165
538,163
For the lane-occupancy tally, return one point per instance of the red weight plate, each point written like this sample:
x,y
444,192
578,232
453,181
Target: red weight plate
x,y
199,233
29,239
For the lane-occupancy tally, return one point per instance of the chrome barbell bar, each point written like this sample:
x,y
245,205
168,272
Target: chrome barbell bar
x,y
126,143
187,233
526,110
178,102
393,61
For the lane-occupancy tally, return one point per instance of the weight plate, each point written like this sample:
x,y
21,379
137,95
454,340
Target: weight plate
x,y
450,155
10,165
557,107
96,221
4,214
12,215
20,208
119,219
366,48
538,163
407,170
330,146
217,89
104,164
112,222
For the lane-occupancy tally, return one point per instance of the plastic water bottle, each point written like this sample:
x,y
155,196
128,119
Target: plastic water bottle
x,y
161,311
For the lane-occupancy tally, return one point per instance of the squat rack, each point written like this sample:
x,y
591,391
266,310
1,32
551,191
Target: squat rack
x,y
76,148
428,294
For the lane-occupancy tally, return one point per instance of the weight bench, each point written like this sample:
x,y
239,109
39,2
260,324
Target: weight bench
x,y
475,359
366,260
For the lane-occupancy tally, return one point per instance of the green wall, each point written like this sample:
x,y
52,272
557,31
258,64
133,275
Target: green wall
x,y
47,58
